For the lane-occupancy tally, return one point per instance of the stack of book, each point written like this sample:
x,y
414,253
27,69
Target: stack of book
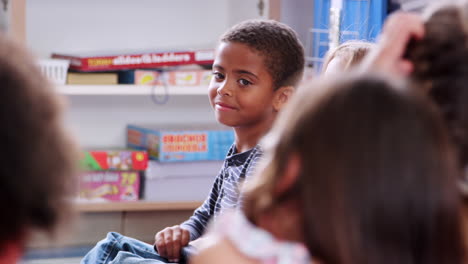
x,y
143,68
112,175
184,159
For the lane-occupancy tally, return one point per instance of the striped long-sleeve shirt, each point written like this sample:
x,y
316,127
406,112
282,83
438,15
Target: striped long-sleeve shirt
x,y
224,193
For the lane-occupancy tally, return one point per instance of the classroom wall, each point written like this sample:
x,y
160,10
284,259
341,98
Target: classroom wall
x,y
88,25
298,14
106,25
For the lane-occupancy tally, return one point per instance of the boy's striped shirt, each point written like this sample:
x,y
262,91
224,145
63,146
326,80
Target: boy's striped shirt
x,y
225,192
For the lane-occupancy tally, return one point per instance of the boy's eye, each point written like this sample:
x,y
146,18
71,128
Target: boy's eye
x,y
244,82
218,75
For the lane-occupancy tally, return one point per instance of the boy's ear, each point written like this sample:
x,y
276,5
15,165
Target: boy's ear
x,y
290,174
281,96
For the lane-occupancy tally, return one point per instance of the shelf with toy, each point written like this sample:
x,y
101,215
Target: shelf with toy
x,y
88,207
130,90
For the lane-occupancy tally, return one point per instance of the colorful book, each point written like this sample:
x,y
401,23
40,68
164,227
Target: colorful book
x,y
109,62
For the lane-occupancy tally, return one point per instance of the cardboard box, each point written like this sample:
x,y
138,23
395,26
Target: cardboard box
x,y
97,160
169,144
173,78
97,61
192,180
109,186
108,78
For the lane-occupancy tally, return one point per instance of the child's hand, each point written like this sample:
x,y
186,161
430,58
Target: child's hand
x,y
170,240
397,32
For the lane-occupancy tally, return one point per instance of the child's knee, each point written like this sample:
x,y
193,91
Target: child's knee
x,y
114,236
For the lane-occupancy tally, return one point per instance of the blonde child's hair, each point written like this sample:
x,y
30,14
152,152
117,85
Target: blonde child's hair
x,y
352,52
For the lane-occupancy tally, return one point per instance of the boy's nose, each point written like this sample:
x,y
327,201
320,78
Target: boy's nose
x,y
224,89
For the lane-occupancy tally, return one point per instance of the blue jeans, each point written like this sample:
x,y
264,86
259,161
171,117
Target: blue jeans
x,y
116,248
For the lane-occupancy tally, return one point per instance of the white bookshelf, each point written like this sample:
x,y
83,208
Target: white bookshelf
x,y
96,90
87,207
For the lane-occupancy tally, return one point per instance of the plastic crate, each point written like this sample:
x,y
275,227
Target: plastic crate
x,y
55,70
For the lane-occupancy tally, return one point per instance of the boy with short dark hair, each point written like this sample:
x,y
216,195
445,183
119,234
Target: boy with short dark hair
x,y
257,65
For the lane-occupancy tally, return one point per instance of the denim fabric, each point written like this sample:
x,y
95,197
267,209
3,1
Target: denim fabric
x,y
237,167
224,194
116,248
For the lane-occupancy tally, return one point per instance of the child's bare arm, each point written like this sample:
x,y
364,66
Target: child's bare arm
x,y
215,250
198,243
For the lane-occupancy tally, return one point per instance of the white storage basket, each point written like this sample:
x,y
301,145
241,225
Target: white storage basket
x,y
55,70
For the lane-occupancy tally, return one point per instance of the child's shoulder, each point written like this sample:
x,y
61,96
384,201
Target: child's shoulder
x,y
220,250
255,243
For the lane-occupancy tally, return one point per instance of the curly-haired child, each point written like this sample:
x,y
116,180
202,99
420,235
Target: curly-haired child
x,y
257,65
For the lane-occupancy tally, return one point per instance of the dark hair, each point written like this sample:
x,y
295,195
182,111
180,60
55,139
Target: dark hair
x,y
277,43
37,163
441,69
378,175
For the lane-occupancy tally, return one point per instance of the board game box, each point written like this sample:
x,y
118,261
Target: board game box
x,y
109,186
173,78
175,143
99,160
91,62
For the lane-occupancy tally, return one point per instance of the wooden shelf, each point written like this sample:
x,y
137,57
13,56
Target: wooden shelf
x,y
86,207
123,89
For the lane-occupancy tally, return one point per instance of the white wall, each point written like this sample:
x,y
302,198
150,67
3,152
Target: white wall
x,y
298,14
5,17
90,25
240,10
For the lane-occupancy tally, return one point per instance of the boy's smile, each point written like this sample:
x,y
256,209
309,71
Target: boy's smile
x,y
241,90
223,106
